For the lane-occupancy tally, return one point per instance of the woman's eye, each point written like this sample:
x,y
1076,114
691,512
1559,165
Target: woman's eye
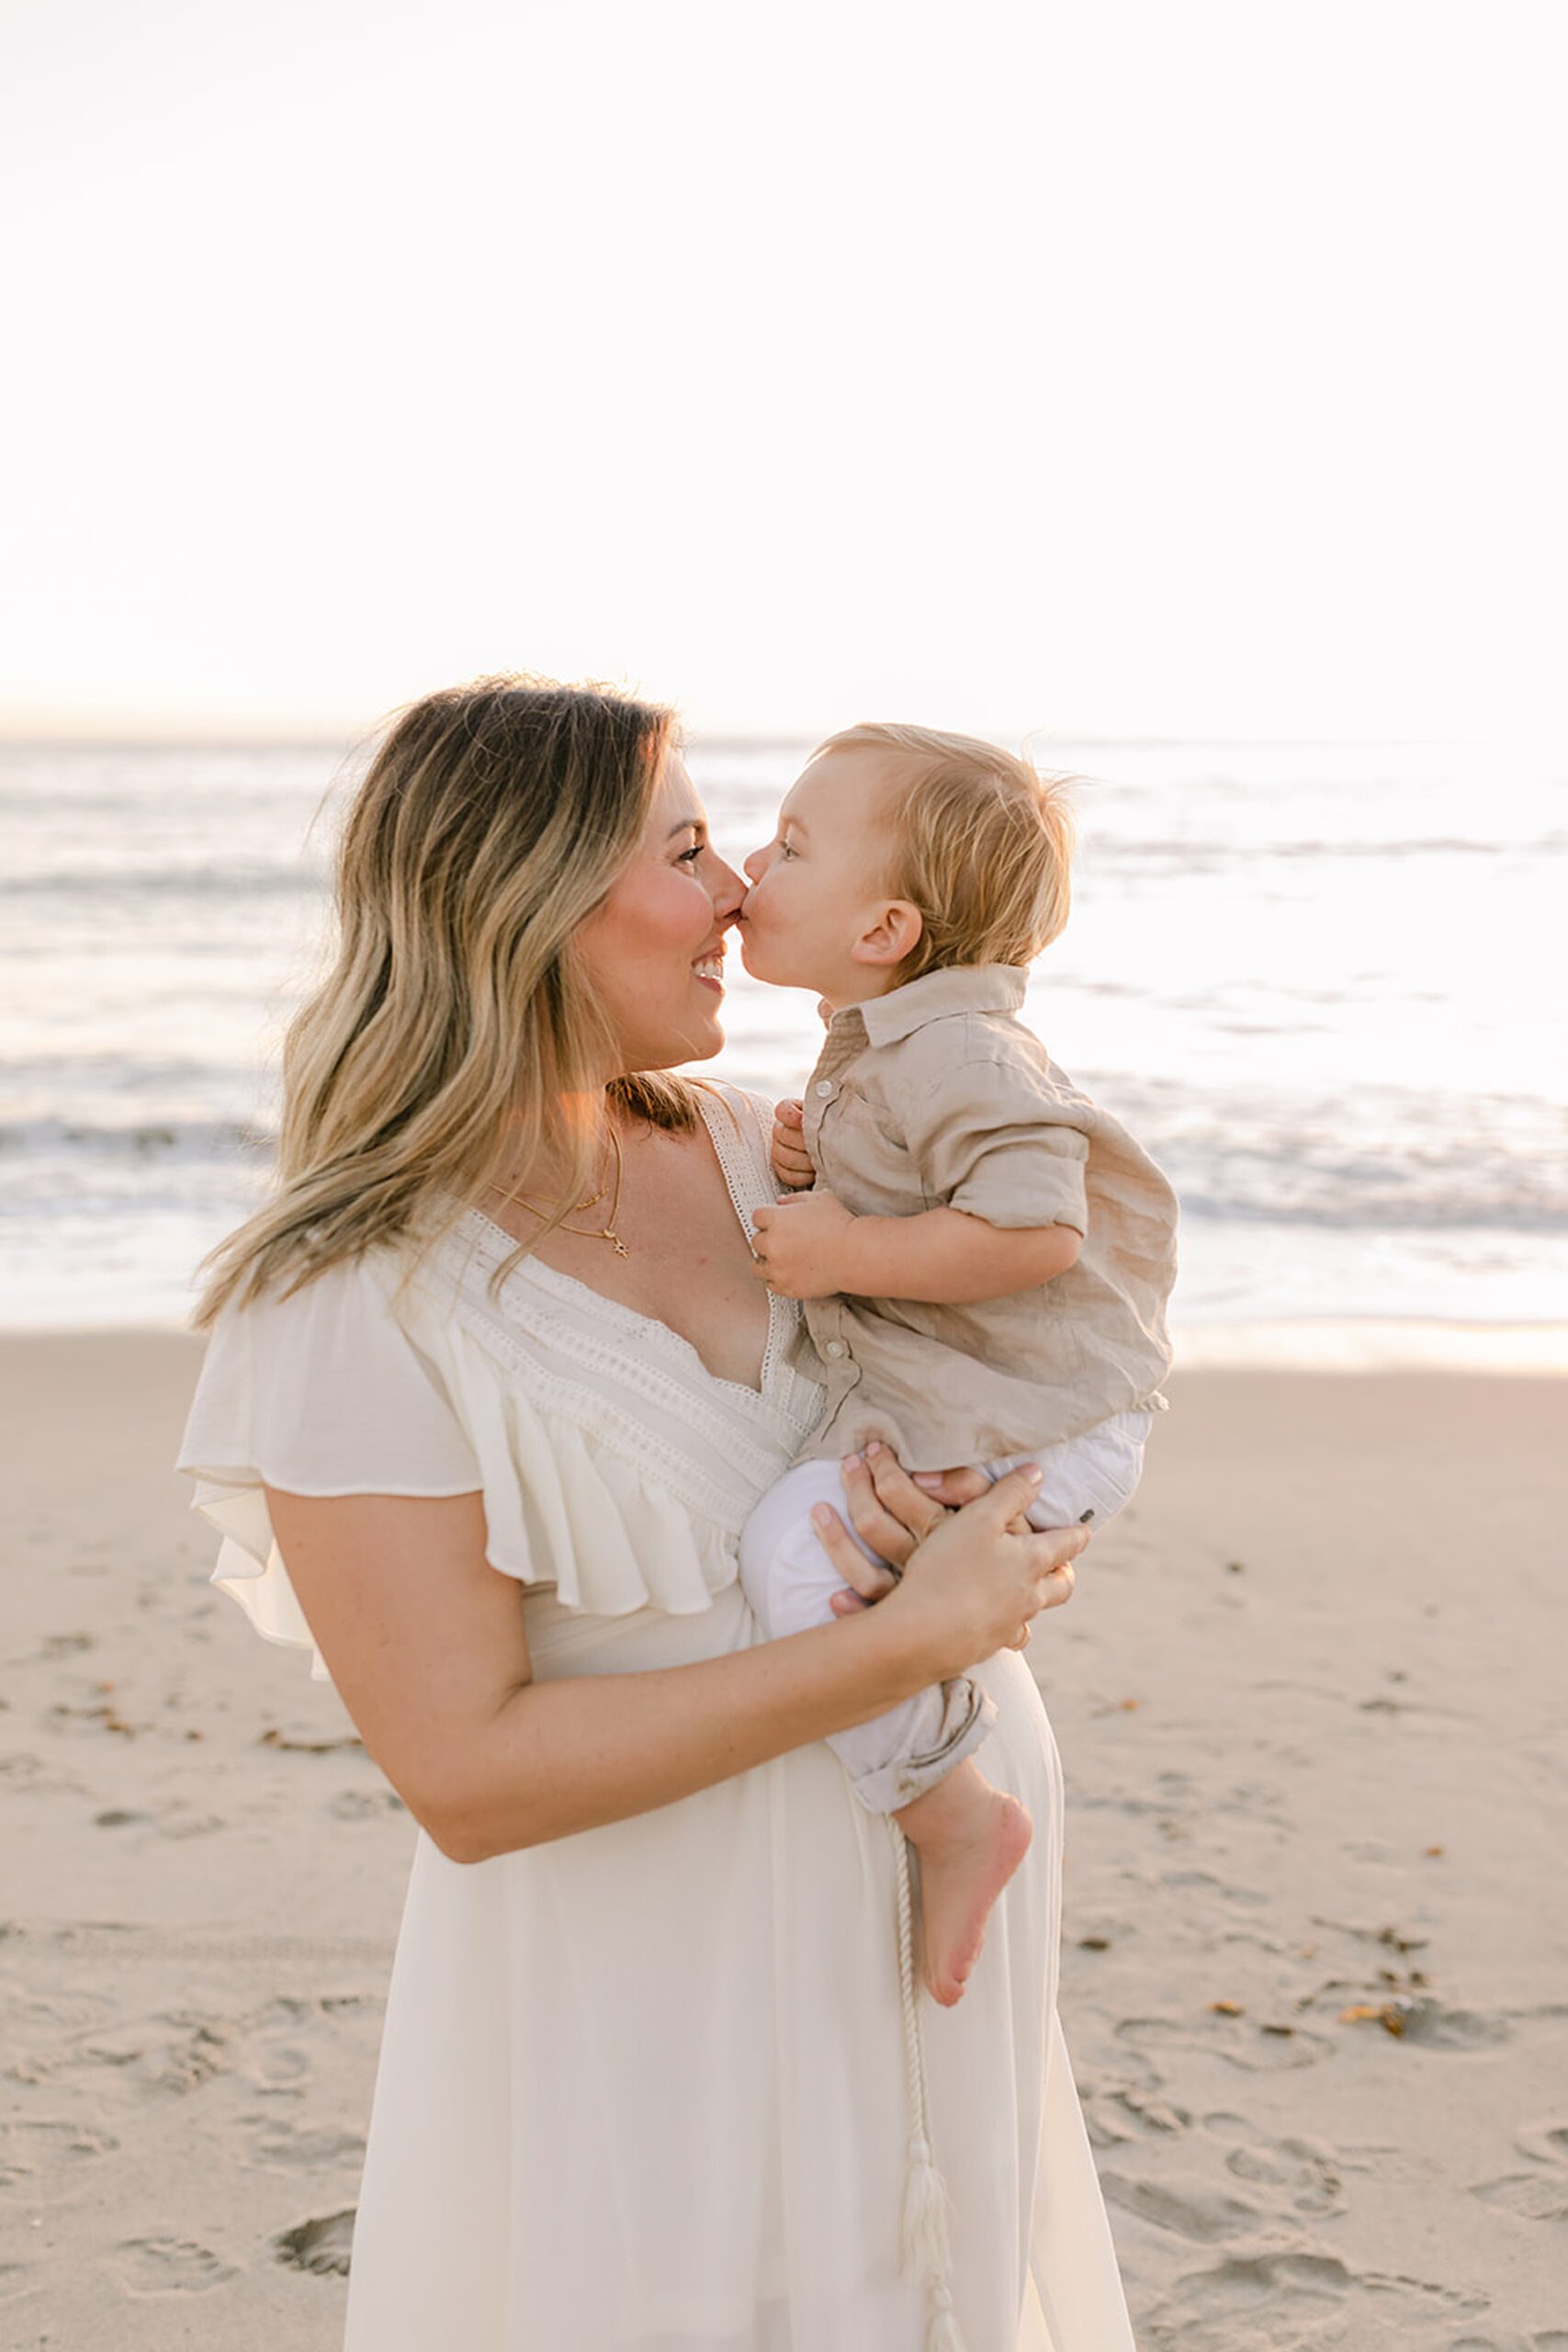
x,y
690,856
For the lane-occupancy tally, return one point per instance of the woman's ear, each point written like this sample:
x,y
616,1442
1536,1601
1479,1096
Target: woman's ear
x,y
894,934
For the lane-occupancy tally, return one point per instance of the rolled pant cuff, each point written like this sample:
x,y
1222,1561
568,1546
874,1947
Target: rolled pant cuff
x,y
968,1714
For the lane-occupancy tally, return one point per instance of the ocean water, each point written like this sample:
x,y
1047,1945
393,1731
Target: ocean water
x,y
1322,982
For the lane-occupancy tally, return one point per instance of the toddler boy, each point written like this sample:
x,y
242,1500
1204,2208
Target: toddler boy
x,y
986,1256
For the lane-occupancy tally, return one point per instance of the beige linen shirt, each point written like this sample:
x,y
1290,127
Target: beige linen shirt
x,y
937,1096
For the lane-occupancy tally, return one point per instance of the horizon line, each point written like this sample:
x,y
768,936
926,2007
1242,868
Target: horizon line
x,y
729,738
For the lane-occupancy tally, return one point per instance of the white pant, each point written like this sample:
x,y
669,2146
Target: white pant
x,y
790,1582
1085,1480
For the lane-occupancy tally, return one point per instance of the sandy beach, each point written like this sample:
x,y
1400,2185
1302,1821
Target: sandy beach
x,y
1315,1981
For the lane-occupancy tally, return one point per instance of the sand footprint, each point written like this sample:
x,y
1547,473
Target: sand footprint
x,y
1547,2143
270,2044
204,2051
170,2266
1280,2301
1434,2026
29,1775
1552,2339
46,2066
276,2143
1265,2047
1203,1883
61,2010
1185,2206
27,2142
1151,2112
1307,2172
323,2245
366,1805
1535,2196
1118,2111
1288,2300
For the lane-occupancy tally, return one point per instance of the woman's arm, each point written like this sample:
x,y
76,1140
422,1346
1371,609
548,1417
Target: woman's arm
x,y
425,1643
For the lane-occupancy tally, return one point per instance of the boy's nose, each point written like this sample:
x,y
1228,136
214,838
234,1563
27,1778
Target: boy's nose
x,y
752,866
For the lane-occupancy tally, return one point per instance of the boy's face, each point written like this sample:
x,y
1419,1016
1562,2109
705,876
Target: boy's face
x,y
819,890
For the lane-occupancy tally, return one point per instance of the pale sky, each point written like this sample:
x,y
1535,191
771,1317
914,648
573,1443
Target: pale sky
x,y
1097,367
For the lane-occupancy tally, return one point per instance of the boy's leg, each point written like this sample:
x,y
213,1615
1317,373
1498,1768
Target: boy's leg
x,y
1085,1481
913,1760
790,1582
970,1838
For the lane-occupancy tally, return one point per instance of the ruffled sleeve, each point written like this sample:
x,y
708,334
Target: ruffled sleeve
x,y
322,1393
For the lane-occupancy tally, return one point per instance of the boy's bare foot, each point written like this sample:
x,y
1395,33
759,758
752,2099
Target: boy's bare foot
x,y
970,1838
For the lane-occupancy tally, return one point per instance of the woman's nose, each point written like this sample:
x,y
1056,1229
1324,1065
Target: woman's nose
x,y
729,889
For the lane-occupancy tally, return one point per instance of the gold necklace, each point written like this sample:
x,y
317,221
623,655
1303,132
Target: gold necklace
x,y
605,1232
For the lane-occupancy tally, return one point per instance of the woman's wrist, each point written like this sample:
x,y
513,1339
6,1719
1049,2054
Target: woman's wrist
x,y
909,1654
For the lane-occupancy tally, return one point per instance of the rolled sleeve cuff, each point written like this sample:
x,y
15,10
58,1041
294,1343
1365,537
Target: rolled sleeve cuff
x,y
967,1715
1020,1186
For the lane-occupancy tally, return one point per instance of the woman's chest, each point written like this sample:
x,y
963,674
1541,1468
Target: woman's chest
x,y
684,1260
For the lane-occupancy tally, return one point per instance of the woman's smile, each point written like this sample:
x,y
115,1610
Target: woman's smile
x,y
665,916
709,969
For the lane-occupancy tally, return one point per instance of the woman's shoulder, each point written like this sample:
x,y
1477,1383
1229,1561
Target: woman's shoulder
x,y
360,1285
322,1387
749,1111
294,1324
611,1464
741,1125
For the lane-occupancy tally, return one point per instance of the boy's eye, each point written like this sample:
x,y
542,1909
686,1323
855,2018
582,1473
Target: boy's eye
x,y
785,850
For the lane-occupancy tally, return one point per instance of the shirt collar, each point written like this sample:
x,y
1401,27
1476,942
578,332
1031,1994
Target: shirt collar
x,y
958,988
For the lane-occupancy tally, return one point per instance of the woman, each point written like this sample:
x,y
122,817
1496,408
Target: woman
x,y
643,2086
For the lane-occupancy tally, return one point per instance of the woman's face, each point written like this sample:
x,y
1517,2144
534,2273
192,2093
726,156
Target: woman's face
x,y
653,948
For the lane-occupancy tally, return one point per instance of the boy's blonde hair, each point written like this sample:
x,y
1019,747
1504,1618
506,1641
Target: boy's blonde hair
x,y
982,845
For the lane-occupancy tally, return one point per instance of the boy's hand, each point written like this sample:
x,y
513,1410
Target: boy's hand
x,y
799,1245
791,1161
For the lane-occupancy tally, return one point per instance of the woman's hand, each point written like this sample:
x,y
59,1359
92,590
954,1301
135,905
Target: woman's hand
x,y
893,1536
975,1574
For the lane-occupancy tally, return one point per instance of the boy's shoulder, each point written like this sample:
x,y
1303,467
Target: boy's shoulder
x,y
985,1054
972,1036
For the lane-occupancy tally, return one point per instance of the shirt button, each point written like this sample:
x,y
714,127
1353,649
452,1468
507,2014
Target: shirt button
x,y
823,1088
835,1348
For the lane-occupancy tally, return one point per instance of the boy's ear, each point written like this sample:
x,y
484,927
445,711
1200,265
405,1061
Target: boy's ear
x,y
894,934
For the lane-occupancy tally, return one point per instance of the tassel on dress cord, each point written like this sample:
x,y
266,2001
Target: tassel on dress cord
x,y
927,2251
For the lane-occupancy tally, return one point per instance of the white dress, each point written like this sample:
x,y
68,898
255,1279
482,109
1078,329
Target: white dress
x,y
644,2089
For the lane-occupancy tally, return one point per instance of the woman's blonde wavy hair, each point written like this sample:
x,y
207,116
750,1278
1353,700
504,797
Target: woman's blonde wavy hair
x,y
456,1033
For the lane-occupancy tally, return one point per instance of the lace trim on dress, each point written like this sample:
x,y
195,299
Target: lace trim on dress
x,y
566,1306
591,1410
748,1173
626,1379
